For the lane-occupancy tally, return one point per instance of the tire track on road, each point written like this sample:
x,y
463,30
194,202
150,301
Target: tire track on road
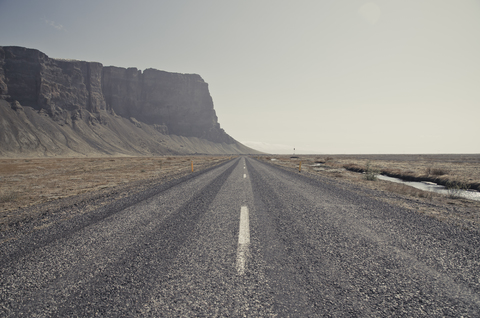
x,y
14,250
331,246
142,265
117,284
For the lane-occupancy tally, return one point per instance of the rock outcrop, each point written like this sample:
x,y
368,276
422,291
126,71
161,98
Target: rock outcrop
x,y
181,102
73,93
35,80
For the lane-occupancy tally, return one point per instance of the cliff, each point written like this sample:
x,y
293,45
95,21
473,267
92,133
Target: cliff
x,y
80,100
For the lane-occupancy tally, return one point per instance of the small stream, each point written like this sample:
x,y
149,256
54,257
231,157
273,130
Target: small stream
x,y
425,186
433,187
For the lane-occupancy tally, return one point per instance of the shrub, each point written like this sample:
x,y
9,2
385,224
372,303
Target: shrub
x,y
370,173
436,171
455,188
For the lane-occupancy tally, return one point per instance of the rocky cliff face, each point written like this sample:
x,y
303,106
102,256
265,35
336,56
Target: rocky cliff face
x,y
67,90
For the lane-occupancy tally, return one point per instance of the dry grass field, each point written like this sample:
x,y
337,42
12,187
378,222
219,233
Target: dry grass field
x,y
29,182
443,169
36,188
440,169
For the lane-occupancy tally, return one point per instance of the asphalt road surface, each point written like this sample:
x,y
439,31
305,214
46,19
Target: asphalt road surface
x,y
244,239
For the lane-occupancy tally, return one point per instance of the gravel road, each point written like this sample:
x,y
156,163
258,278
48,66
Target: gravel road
x,y
309,248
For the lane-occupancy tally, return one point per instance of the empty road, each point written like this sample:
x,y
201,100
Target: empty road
x,y
243,239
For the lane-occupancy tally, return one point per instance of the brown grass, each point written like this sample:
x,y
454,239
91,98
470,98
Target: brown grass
x,y
446,169
436,171
442,169
407,190
26,182
459,170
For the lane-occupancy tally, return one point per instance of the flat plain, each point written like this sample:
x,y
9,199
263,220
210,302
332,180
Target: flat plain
x,y
318,246
461,169
33,188
31,182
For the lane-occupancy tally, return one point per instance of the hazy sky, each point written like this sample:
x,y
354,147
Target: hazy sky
x,y
323,76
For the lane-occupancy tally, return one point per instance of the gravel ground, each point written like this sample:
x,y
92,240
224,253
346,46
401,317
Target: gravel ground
x,y
318,247
462,212
349,253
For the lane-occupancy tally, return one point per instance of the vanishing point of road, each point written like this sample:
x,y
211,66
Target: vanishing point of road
x,y
244,239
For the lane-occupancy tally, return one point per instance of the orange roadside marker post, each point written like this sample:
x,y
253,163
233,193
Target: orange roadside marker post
x,y
300,167
192,165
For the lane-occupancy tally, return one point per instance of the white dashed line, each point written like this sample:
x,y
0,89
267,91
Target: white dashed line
x,y
243,240
244,176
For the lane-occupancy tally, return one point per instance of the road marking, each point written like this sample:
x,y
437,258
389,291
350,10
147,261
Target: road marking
x,y
244,176
243,240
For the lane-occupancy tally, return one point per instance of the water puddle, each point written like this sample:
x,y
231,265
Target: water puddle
x,y
433,187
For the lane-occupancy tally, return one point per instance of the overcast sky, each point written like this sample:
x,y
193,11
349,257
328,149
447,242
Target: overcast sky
x,y
330,76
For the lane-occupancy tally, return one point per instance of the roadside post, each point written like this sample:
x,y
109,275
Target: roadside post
x,y
300,167
192,165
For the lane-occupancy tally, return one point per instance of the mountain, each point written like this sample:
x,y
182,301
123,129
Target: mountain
x,y
55,107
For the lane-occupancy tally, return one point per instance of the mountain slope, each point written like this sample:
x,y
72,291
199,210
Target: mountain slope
x,y
68,108
25,131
